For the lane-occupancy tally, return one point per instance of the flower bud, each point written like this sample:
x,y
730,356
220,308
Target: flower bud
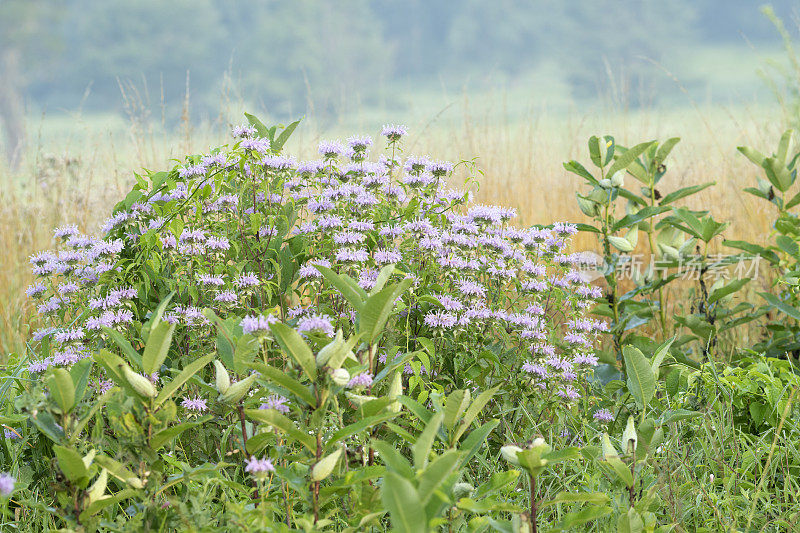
x,y
340,376
223,378
629,437
139,383
463,490
237,391
509,453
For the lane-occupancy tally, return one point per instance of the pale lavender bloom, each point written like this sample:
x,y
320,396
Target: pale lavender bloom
x,y
330,149
106,320
359,144
363,379
569,393
361,225
65,231
316,323
41,333
115,220
367,279
103,385
536,369
259,467
449,303
191,171
41,258
563,228
259,144
386,257
35,290
392,231
69,335
395,192
257,324
277,403
298,311
318,206
195,404
247,279
585,359
51,306
68,288
535,285
329,221
207,279
7,483
226,296
393,132
35,367
604,416
310,167
349,237
243,130
279,162
440,319
168,241
440,168
471,288
348,255
217,243
10,434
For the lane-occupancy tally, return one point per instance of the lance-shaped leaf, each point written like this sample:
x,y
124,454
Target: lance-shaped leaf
x,y
157,347
437,473
71,463
422,448
404,505
283,424
287,382
98,505
358,427
62,389
473,410
378,308
355,295
622,162
278,143
293,343
596,498
640,378
134,358
166,435
189,370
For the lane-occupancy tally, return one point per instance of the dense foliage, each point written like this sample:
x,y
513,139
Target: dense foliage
x,y
349,344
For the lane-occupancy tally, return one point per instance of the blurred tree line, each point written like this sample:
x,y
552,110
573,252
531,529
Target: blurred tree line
x,y
288,55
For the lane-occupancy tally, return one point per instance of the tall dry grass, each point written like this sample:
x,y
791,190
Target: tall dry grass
x,y
77,177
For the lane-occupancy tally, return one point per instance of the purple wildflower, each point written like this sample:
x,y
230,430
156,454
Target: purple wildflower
x,y
276,402
195,404
604,416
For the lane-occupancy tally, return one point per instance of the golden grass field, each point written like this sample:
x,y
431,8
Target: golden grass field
x,y
77,168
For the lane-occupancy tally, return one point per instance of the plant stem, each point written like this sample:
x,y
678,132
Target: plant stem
x,y
534,510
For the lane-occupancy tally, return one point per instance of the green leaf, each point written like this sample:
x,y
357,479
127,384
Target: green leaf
x,y
96,405
570,453
475,440
293,343
622,162
278,143
577,518
157,347
473,410
63,389
782,306
596,498
725,290
111,364
436,473
80,373
166,435
620,469
752,154
358,427
378,308
665,148
133,356
755,249
247,348
404,505
350,293
457,401
261,129
383,276
282,379
71,463
594,151
684,192
783,145
643,214
97,506
620,243
658,357
422,448
640,378
189,370
676,415
281,423
118,470
393,459
580,170
45,423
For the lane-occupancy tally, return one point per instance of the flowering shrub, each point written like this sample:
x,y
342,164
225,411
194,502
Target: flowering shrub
x,y
336,298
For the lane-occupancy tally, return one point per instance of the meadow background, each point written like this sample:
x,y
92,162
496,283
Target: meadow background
x,y
95,91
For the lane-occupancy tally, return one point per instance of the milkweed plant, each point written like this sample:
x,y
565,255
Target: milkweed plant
x,y
252,341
